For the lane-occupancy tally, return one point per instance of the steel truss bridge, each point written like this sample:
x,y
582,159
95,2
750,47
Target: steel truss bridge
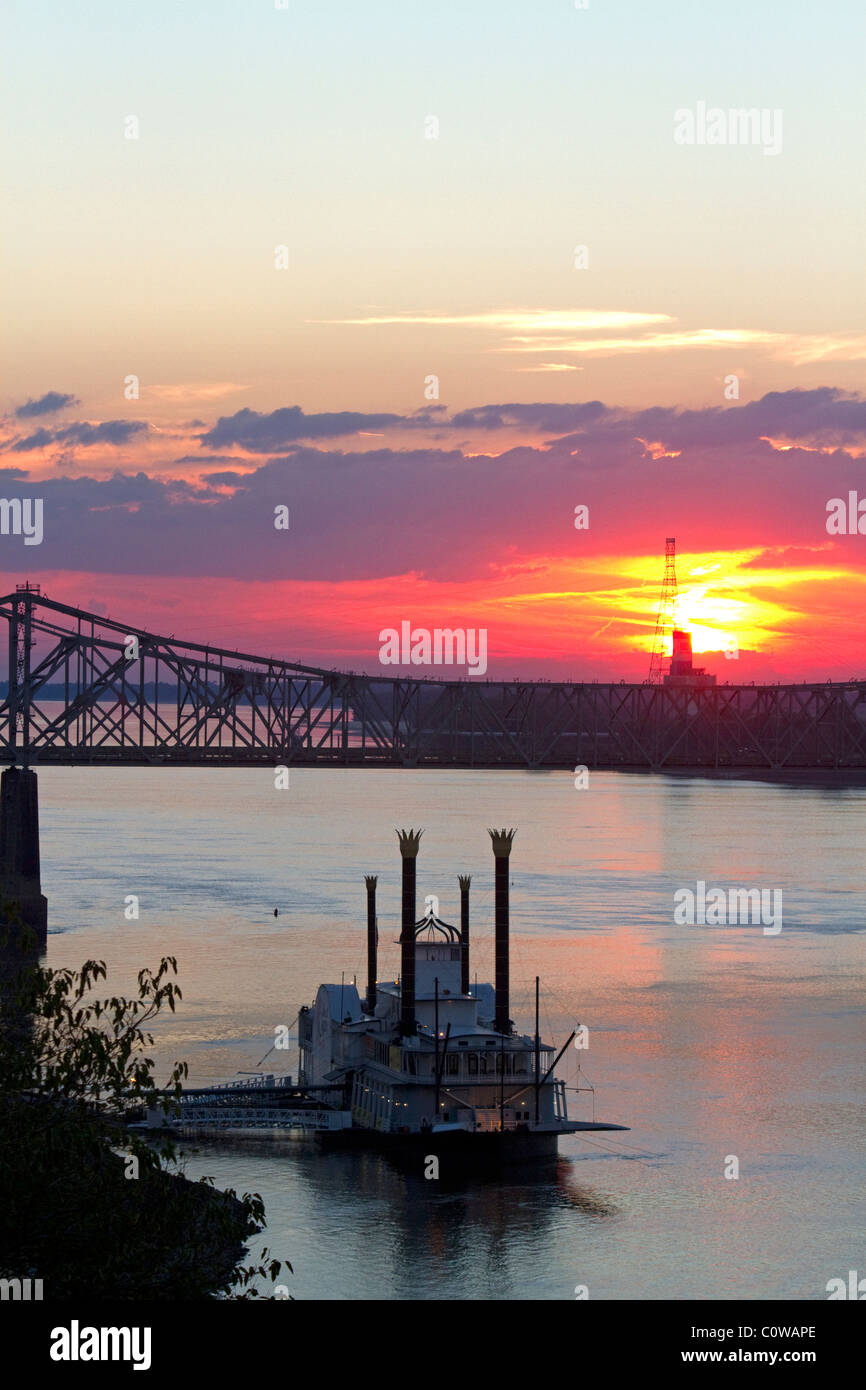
x,y
87,689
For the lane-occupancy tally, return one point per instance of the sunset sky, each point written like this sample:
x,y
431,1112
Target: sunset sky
x,y
433,384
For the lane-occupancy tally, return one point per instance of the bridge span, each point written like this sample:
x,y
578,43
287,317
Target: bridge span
x,y
84,688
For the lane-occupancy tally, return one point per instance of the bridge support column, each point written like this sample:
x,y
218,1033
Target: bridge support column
x,y
20,884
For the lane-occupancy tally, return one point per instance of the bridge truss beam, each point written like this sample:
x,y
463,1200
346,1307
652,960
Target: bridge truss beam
x,y
86,689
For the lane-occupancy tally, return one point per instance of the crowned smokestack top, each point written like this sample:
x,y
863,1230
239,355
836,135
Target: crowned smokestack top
x,y
409,843
464,880
501,841
372,943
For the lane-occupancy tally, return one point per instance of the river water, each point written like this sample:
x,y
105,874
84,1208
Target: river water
x,y
713,1043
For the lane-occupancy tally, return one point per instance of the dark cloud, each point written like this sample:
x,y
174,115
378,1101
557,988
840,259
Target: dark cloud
x,y
45,405
228,478
108,432
39,440
439,513
551,418
832,416
199,459
454,515
262,434
825,413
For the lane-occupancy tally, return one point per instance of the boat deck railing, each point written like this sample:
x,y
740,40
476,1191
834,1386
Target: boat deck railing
x,y
252,1117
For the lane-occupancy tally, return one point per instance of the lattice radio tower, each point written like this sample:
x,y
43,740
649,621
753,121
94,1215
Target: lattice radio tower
x,y
666,620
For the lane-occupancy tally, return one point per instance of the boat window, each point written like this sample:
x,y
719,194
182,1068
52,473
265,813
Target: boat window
x,y
452,1065
472,1059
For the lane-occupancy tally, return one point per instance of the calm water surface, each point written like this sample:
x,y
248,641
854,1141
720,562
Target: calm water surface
x,y
706,1041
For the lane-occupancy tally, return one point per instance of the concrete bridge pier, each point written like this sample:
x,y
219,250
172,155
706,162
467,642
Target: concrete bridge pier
x,y
23,907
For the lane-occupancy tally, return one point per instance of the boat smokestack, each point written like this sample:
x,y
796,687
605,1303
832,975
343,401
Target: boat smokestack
x,y
409,842
501,840
464,880
372,943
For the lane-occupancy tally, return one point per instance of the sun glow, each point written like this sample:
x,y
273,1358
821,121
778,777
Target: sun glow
x,y
717,602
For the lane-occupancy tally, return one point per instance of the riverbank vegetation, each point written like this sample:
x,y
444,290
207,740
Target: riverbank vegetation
x,y
88,1206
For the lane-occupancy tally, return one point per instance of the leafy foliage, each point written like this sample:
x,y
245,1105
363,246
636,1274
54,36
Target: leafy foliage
x,y
86,1204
